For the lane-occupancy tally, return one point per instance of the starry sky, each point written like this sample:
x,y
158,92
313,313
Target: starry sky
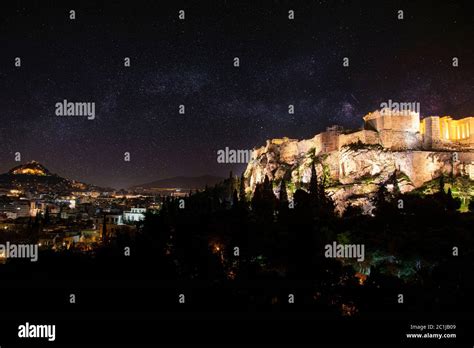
x,y
190,62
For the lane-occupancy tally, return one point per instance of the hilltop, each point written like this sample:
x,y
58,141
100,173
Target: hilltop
x,y
352,165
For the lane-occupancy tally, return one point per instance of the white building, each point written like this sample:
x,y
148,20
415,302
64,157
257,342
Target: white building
x,y
110,219
136,214
20,207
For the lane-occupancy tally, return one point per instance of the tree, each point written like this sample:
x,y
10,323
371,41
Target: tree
x,y
394,181
230,187
46,216
235,199
283,206
263,200
283,193
441,184
452,204
242,195
313,183
381,200
471,206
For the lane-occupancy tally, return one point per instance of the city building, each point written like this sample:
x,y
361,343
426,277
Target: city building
x,y
134,215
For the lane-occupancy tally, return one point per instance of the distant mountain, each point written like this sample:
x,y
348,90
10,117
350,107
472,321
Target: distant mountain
x,y
35,177
181,182
30,168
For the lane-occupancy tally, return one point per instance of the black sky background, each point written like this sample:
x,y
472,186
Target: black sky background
x,y
190,62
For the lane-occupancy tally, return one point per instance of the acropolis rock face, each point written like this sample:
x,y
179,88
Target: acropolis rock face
x,y
355,163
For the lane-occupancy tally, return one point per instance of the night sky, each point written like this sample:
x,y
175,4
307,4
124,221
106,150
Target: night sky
x,y
190,62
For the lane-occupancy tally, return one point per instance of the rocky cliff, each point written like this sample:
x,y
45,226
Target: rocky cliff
x,y
352,173
34,177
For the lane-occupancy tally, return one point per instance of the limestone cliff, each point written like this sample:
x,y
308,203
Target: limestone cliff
x,y
352,171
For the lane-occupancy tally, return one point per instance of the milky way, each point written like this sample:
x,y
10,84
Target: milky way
x,y
190,62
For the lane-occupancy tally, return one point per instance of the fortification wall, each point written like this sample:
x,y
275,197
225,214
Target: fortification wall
x,y
397,131
419,166
405,123
364,136
330,141
372,137
401,121
431,131
375,122
398,140
423,166
317,143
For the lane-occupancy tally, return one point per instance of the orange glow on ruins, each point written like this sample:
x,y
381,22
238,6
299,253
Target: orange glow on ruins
x,y
445,128
29,171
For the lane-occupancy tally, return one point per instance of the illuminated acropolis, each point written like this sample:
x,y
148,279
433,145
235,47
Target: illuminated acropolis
x,y
439,132
31,168
405,131
422,149
29,171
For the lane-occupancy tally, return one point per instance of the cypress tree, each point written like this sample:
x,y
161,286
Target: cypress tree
x,y
242,188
